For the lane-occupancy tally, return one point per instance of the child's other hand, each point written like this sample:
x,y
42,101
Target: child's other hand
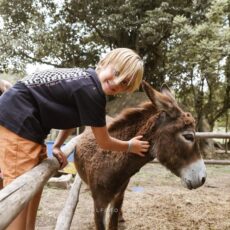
x,y
62,159
138,147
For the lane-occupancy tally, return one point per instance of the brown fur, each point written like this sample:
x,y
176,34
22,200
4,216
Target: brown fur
x,y
107,172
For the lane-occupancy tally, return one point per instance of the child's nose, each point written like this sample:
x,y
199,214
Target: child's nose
x,y
113,82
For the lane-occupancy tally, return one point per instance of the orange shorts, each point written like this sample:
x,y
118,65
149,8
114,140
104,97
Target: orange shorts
x,y
18,155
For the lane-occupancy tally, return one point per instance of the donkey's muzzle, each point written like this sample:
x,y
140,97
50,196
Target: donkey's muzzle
x,y
194,175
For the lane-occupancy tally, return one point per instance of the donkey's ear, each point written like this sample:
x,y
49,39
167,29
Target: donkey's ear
x,y
166,91
161,101
158,99
148,90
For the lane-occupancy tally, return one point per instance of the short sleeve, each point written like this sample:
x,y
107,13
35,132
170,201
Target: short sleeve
x,y
91,106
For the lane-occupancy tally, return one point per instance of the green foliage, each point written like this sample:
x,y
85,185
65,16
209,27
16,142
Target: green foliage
x,y
197,59
77,32
183,42
44,32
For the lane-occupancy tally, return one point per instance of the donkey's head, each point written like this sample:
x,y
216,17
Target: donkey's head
x,y
172,138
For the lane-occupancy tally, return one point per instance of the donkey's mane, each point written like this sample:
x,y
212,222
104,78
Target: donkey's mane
x,y
130,115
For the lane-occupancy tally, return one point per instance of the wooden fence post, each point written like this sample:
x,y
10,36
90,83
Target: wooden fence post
x,y
66,215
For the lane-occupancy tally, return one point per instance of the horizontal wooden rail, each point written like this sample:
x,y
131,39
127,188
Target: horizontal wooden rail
x,y
217,162
17,194
211,162
222,151
212,135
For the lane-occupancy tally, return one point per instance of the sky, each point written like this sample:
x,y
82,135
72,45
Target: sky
x,y
1,23
31,68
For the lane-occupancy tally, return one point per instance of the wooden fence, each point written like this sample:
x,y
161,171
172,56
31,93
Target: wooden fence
x,y
212,135
17,194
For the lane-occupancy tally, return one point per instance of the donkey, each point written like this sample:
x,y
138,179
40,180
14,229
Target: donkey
x,y
171,134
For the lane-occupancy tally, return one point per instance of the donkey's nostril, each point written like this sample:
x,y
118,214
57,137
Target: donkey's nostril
x,y
203,180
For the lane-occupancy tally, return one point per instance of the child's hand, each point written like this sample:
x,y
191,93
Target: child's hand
x,y
137,146
4,85
62,159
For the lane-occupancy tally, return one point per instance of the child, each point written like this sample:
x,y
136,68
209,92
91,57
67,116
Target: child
x,y
62,99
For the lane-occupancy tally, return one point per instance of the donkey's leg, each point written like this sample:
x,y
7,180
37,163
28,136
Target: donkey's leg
x,y
120,217
115,209
99,214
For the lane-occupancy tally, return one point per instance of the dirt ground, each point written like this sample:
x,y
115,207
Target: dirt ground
x,y
155,199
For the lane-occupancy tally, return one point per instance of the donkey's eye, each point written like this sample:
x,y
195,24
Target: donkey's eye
x,y
189,137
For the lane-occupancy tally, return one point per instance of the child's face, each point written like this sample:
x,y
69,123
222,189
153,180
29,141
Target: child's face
x,y
107,76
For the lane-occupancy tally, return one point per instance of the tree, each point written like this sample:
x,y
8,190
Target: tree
x,y
42,31
183,42
75,32
196,60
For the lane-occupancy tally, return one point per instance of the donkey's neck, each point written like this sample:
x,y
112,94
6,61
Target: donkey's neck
x,y
126,126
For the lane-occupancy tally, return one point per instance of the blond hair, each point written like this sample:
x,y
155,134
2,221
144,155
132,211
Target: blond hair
x,y
127,63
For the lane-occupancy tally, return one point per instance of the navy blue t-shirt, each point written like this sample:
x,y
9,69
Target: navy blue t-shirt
x,y
59,99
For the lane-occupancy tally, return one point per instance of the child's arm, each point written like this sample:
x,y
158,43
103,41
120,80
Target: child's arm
x,y
61,137
105,141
